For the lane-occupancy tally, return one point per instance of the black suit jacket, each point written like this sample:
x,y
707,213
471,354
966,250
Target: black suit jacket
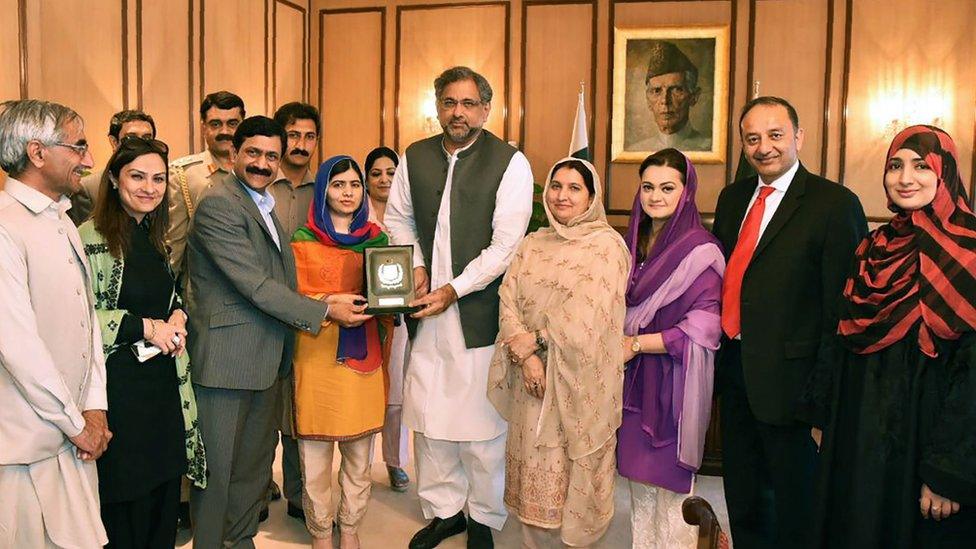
x,y
791,288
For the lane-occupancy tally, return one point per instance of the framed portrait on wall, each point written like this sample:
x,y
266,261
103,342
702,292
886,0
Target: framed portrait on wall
x,y
670,89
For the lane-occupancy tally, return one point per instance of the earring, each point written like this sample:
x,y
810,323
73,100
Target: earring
x,y
115,182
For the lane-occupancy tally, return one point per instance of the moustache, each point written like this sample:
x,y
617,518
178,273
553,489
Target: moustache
x,y
224,137
301,152
258,171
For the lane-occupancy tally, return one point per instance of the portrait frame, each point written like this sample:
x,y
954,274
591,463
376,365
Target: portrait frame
x,y
705,46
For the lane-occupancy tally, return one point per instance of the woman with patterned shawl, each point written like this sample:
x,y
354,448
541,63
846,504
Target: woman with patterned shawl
x,y
151,409
557,371
340,377
672,330
898,460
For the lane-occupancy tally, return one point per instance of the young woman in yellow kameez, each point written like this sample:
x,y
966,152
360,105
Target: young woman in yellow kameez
x,y
340,374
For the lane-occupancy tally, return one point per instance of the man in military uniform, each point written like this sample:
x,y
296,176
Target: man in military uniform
x,y
293,189
128,123
293,185
220,114
672,90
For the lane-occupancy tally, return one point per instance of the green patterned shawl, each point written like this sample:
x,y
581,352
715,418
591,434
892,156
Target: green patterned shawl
x,y
107,282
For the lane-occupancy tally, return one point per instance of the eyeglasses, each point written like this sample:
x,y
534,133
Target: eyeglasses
x,y
134,142
451,104
81,149
217,124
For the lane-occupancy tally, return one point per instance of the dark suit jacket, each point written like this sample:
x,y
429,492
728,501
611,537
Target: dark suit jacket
x,y
791,288
244,306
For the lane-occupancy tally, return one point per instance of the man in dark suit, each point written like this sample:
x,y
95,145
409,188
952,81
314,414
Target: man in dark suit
x,y
241,333
789,236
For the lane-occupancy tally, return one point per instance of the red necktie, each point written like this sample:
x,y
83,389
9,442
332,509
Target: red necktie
x,y
741,255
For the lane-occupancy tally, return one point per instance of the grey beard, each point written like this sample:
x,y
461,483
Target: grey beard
x,y
461,138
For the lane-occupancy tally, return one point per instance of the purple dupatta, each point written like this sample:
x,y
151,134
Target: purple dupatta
x,y
678,408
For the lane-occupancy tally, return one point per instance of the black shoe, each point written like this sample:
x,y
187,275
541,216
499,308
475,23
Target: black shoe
x,y
437,531
479,535
183,518
296,512
263,515
274,492
398,479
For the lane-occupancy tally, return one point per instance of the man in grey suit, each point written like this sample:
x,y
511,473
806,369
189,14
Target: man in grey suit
x,y
241,333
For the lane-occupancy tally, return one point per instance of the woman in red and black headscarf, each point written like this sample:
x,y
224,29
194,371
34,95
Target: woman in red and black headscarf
x,y
898,461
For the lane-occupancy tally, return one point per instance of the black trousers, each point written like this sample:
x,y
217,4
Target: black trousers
x,y
768,469
145,523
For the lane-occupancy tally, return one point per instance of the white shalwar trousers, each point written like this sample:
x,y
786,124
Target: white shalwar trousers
x,y
450,473
656,519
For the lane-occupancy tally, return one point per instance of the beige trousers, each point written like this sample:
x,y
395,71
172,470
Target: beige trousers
x,y
354,484
534,537
51,503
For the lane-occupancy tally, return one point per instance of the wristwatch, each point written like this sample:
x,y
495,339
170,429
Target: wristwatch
x,y
540,341
635,345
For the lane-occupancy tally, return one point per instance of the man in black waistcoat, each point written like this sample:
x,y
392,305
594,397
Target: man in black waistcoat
x,y
463,200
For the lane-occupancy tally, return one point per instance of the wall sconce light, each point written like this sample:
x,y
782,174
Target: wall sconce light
x,y
896,110
428,110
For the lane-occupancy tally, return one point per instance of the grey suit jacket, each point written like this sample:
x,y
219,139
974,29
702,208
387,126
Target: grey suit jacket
x,y
244,305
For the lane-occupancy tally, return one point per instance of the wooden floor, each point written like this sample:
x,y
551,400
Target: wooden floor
x,y
393,517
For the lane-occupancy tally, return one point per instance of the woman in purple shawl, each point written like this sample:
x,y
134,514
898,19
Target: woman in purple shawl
x,y
671,331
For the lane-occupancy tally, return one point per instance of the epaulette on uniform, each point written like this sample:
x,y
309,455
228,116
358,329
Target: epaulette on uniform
x,y
187,161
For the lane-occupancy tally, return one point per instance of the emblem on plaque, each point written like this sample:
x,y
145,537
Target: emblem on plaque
x,y
389,279
390,275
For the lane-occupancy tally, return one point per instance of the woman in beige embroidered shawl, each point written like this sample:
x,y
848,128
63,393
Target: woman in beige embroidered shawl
x,y
557,373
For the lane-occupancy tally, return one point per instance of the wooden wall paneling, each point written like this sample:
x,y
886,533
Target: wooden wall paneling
x,y
10,51
234,51
163,73
845,89
421,55
802,25
124,4
739,92
289,54
892,77
827,89
558,51
65,65
834,113
621,178
351,80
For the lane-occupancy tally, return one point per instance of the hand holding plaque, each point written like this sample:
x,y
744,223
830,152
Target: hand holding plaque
x,y
389,279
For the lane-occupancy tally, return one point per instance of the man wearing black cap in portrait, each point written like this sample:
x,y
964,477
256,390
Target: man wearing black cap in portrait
x,y
672,89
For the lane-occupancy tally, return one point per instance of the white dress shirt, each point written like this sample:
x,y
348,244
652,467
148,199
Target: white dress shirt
x,y
265,202
780,186
445,390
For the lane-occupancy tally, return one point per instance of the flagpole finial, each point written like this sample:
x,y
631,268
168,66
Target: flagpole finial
x,y
755,89
582,86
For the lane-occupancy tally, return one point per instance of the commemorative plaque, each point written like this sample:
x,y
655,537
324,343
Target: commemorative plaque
x,y
389,279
